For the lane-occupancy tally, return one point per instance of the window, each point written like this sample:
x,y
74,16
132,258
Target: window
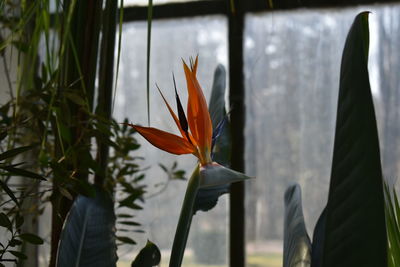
x,y
291,67
171,41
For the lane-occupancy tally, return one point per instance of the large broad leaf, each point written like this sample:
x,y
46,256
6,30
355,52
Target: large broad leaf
x,y
88,236
355,232
207,198
296,243
216,105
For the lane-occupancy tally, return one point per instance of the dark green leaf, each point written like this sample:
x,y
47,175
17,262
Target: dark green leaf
x,y
296,243
15,242
31,238
19,221
18,254
13,152
10,193
84,188
3,135
126,240
123,215
162,166
75,98
5,221
88,236
65,193
130,223
355,231
22,172
148,256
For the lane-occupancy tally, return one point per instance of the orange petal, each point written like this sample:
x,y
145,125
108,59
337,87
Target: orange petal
x,y
193,67
198,116
165,141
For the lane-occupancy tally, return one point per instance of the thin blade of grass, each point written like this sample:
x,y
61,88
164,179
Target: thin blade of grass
x,y
121,17
149,20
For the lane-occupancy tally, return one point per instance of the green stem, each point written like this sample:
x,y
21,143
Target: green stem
x,y
185,219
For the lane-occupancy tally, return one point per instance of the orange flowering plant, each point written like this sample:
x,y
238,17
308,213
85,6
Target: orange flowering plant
x,y
197,138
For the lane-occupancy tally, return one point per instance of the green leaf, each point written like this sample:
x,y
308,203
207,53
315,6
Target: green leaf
x,y
148,256
13,152
10,193
355,231
65,193
75,98
3,135
15,242
126,240
19,220
124,215
130,223
88,236
31,238
83,187
296,243
18,254
22,172
5,221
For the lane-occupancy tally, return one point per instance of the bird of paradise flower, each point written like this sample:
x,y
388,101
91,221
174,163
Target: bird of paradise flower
x,y
197,138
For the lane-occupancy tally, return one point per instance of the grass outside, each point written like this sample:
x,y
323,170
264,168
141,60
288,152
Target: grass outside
x,y
253,260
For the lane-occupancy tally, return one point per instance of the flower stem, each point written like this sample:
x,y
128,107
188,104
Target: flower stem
x,y
185,219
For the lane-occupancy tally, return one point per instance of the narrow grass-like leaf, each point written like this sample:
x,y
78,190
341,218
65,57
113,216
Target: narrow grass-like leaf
x,y
22,172
149,20
10,193
13,152
392,211
121,17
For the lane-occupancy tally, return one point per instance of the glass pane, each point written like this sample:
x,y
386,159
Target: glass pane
x,y
292,63
172,40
